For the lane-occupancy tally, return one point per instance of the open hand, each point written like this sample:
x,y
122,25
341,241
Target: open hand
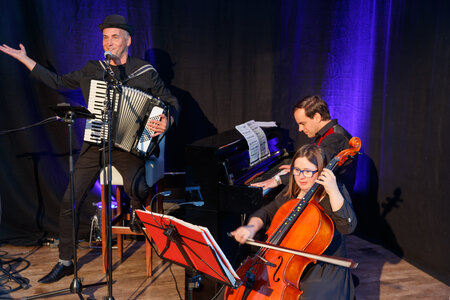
x,y
19,54
16,53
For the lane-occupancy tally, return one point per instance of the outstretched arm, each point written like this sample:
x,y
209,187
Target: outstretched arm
x,y
20,55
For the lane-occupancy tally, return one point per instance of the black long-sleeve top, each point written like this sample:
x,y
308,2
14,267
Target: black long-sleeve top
x,y
149,82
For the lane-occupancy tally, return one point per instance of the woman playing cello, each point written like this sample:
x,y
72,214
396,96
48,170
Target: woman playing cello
x,y
320,280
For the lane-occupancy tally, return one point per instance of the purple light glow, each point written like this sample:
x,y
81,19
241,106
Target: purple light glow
x,y
348,82
113,205
97,191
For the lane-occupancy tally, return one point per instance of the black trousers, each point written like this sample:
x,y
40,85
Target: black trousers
x,y
86,171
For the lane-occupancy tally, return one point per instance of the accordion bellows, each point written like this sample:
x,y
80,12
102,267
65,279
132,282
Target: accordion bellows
x,y
131,111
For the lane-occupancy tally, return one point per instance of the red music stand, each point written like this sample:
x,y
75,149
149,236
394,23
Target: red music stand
x,y
188,245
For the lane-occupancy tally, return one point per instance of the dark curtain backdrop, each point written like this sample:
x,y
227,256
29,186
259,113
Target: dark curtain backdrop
x,y
383,67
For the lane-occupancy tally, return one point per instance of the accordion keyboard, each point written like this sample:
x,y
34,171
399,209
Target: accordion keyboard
x,y
132,110
95,128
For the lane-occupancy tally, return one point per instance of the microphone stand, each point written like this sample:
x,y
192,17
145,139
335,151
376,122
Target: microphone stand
x,y
112,84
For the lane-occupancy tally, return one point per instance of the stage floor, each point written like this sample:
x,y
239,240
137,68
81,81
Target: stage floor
x,y
381,274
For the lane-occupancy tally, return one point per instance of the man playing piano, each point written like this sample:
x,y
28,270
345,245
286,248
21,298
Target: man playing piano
x,y
313,119
117,35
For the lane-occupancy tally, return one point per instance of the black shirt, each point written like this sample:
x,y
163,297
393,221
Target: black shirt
x,y
149,82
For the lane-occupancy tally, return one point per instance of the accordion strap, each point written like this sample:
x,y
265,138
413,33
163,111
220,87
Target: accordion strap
x,y
140,71
136,73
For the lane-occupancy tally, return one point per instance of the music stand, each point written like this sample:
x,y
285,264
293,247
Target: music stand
x,y
68,114
189,246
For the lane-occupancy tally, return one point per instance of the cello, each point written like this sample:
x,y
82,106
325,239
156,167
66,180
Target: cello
x,y
299,233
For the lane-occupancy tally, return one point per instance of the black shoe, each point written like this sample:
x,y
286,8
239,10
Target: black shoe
x,y
135,223
58,272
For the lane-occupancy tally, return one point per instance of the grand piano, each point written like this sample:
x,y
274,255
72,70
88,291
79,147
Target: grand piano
x,y
219,166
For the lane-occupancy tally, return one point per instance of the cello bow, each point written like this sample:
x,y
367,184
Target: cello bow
x,y
339,261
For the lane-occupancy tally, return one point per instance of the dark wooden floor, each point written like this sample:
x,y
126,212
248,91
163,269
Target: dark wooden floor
x,y
382,275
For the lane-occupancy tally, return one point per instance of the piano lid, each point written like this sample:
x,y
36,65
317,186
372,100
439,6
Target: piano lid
x,y
231,150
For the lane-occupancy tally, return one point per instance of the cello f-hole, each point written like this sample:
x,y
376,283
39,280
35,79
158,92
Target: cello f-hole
x,y
279,265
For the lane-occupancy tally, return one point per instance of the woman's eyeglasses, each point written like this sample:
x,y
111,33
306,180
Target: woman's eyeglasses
x,y
307,173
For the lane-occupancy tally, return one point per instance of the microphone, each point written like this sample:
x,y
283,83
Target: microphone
x,y
108,55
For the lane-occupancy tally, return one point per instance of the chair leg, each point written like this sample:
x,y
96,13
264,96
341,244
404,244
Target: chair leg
x,y
119,212
148,258
148,247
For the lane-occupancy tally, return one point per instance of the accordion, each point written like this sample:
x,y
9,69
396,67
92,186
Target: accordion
x,y
131,111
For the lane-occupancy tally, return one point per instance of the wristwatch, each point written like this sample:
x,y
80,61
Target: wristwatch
x,y
277,179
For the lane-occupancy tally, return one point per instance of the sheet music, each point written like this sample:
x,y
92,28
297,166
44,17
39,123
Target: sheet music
x,y
263,147
256,140
266,124
252,141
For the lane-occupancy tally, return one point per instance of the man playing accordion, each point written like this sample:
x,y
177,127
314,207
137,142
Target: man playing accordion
x,y
117,34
